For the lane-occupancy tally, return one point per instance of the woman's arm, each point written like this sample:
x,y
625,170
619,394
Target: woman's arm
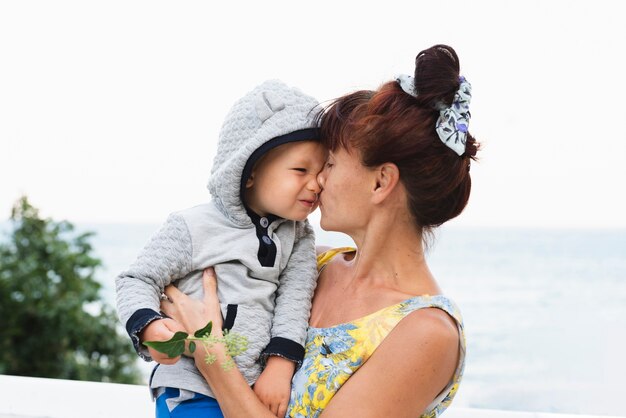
x,y
406,372
235,397
403,376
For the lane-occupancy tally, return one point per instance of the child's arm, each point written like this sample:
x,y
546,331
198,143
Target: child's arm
x,y
273,387
167,256
293,298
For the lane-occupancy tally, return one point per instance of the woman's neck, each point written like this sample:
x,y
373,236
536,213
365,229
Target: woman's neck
x,y
390,254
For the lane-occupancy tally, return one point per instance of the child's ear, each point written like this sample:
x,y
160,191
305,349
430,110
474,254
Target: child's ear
x,y
250,181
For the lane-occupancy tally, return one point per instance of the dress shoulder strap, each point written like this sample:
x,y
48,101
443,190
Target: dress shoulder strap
x,y
434,301
325,257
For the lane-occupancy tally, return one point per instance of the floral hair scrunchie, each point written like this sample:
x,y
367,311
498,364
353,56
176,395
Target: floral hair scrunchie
x,y
453,121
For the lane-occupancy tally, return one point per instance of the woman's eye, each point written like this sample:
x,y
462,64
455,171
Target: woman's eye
x,y
329,164
302,170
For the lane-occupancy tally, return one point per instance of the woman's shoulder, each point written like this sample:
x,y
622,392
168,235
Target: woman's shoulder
x,y
433,318
331,265
432,322
439,305
321,249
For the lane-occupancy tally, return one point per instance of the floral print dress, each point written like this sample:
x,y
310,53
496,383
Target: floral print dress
x,y
333,354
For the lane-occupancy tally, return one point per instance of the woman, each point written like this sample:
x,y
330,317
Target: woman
x,y
380,329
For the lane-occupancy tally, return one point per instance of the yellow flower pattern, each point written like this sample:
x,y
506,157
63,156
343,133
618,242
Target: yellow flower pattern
x,y
333,354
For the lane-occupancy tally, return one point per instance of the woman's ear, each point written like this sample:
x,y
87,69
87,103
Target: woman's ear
x,y
387,177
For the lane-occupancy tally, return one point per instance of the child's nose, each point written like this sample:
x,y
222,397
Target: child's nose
x,y
321,180
314,184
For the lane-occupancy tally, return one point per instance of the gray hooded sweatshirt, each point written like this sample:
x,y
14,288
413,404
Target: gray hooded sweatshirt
x,y
266,267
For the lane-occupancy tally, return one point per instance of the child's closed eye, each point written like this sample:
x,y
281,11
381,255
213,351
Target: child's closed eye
x,y
300,169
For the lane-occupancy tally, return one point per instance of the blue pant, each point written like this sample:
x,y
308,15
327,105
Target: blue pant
x,y
177,403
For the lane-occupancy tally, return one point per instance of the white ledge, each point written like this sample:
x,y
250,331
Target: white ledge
x,y
33,397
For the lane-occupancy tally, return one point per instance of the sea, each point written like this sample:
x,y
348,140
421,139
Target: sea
x,y
544,310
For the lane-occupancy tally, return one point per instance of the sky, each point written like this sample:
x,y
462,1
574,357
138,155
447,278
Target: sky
x,y
110,111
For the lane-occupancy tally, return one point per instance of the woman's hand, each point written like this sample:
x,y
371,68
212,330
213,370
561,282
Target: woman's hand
x,y
194,314
232,391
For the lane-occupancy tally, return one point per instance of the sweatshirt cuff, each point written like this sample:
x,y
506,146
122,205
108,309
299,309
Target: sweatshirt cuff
x,y
135,324
284,348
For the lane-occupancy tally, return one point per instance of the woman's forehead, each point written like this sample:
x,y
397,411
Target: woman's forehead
x,y
343,152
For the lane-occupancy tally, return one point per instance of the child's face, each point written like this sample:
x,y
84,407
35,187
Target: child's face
x,y
284,181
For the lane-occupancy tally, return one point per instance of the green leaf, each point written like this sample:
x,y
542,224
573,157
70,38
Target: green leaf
x,y
203,331
173,347
192,347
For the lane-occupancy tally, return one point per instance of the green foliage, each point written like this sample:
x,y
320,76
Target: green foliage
x,y
52,320
235,344
173,347
204,331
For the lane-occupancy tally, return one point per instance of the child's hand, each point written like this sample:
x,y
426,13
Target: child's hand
x,y
274,385
161,330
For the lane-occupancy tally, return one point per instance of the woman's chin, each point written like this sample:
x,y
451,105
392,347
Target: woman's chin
x,y
328,226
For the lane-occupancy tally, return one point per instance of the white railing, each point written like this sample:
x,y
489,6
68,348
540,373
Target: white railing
x,y
32,397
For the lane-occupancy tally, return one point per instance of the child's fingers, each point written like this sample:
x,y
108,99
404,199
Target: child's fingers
x,y
162,358
271,406
282,410
166,360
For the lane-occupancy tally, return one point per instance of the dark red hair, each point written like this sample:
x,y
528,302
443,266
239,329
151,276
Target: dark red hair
x,y
389,125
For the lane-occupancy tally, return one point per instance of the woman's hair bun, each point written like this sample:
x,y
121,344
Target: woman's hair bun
x,y
436,75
